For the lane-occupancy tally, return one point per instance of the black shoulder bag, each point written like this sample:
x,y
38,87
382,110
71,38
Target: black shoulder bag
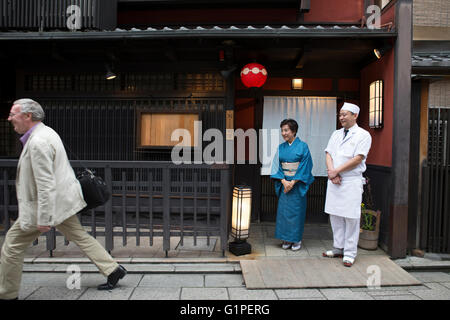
x,y
95,190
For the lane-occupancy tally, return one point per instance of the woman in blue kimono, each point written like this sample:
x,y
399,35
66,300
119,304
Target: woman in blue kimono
x,y
291,170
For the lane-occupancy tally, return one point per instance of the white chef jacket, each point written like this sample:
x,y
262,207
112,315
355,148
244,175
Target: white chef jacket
x,y
344,200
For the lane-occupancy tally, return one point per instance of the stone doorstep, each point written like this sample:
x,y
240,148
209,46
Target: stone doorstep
x,y
188,265
426,267
421,264
403,263
141,268
84,260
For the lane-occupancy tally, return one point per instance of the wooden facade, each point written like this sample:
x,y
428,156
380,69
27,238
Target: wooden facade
x,y
183,57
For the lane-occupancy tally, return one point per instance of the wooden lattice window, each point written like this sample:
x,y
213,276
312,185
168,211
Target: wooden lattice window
x,y
155,129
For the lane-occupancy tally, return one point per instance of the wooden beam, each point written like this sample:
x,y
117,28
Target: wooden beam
x,y
298,93
398,222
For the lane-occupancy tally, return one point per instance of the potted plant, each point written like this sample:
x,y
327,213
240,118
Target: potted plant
x,y
370,223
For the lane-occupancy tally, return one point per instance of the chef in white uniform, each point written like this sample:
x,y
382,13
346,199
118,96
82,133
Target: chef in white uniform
x,y
346,155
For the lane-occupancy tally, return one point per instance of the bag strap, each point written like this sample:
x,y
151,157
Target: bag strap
x,y
74,155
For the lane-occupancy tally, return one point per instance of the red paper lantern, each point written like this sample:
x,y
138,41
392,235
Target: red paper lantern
x,y
253,75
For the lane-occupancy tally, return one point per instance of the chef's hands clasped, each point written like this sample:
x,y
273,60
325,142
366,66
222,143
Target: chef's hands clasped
x,y
334,176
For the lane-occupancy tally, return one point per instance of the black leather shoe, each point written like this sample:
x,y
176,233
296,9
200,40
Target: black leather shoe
x,y
113,278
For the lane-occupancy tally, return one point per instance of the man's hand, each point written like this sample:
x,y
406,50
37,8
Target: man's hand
x,y
332,173
336,180
44,229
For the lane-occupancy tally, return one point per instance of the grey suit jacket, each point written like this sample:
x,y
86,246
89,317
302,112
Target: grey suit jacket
x,y
47,190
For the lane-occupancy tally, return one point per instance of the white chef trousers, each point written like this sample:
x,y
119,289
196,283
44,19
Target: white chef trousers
x,y
345,234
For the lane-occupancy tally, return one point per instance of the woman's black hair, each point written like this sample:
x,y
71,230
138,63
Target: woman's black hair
x,y
293,125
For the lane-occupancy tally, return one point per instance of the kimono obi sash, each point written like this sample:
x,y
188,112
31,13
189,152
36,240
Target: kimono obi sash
x,y
290,168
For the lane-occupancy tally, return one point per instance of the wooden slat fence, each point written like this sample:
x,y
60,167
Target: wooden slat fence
x,y
149,199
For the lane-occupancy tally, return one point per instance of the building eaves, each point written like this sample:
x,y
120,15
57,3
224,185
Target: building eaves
x,y
302,31
431,60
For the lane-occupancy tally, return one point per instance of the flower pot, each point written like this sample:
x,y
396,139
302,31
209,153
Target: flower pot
x,y
368,240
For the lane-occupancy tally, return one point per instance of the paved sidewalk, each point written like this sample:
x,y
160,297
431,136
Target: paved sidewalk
x,y
226,285
201,272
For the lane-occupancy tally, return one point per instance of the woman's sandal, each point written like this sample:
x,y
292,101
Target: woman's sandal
x,y
286,245
331,254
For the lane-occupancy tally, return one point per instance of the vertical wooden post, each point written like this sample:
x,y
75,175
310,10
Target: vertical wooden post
x,y
138,207
225,205
124,208
150,205
166,209
109,234
398,224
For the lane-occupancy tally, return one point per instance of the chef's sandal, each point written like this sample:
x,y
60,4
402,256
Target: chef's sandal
x,y
348,262
332,254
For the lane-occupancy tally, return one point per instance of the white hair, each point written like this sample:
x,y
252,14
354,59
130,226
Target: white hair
x,y
31,106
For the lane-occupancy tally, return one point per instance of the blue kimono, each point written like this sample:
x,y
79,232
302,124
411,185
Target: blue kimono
x,y
292,205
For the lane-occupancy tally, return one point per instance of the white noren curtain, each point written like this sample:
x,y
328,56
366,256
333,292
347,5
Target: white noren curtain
x,y
316,118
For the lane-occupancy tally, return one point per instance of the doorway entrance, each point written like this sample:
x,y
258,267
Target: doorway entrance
x,y
316,117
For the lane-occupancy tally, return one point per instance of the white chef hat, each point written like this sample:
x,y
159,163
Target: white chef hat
x,y
350,107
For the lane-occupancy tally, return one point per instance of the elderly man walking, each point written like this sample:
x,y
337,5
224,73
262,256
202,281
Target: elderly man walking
x,y
48,195
346,155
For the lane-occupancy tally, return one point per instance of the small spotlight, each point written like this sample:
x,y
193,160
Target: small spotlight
x,y
381,51
110,75
377,53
